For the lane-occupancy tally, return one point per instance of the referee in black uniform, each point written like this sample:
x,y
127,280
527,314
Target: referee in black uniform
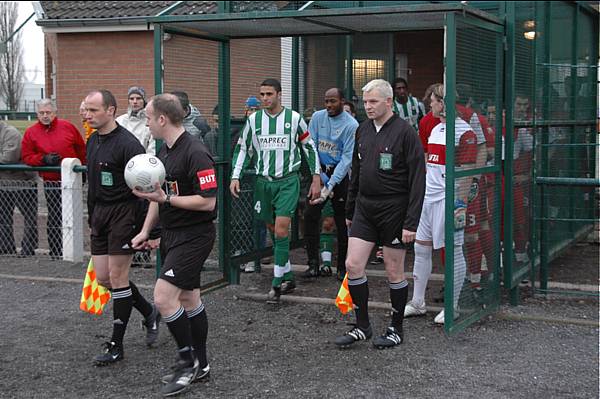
x,y
115,217
186,209
385,198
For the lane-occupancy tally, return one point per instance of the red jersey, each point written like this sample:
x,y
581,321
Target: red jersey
x,y
465,142
426,125
61,136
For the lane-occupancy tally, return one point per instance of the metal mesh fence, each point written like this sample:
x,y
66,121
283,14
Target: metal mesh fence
x,y
19,231
31,221
565,205
477,137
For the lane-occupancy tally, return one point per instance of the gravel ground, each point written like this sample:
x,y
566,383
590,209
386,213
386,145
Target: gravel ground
x,y
285,351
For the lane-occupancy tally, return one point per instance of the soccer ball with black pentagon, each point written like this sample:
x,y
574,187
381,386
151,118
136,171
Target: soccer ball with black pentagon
x,y
143,172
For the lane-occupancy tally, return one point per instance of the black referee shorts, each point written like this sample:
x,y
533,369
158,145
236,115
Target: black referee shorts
x,y
380,220
114,225
183,252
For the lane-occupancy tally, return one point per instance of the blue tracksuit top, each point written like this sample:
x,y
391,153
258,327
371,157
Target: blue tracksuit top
x,y
334,138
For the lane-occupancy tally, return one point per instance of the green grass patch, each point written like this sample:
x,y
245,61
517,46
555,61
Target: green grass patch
x,y
21,125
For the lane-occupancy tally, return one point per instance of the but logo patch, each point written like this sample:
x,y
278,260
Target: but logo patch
x,y
207,179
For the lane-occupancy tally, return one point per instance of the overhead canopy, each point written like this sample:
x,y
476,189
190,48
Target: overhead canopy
x,y
317,21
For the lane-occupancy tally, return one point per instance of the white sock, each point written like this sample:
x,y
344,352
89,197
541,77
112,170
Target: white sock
x,y
460,271
326,256
421,272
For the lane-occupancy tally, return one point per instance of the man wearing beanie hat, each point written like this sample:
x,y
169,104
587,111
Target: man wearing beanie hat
x,y
135,118
135,121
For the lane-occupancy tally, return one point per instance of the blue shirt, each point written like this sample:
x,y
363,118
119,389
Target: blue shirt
x,y
334,139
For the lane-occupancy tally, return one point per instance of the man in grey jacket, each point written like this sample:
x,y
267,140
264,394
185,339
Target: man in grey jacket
x,y
193,121
17,188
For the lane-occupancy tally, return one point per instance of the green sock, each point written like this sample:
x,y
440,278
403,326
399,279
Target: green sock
x,y
288,276
281,250
326,248
277,281
281,253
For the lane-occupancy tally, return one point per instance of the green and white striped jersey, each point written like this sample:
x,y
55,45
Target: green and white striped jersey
x,y
410,112
275,141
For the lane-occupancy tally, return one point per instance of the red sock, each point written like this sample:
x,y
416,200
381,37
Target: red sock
x,y
474,253
487,245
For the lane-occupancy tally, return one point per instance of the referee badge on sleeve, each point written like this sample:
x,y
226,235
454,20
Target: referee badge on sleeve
x,y
207,179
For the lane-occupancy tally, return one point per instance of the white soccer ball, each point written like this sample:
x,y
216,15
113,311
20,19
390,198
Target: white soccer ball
x,y
143,172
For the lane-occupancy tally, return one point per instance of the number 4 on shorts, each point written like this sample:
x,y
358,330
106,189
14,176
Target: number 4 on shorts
x,y
257,207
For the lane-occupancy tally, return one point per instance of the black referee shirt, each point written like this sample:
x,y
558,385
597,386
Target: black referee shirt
x,y
107,156
190,171
388,164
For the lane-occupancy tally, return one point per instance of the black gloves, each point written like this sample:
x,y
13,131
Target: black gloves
x,y
51,159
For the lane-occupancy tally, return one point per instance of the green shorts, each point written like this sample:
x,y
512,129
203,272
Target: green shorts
x,y
277,197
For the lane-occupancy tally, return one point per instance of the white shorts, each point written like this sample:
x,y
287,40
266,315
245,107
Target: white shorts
x,y
432,223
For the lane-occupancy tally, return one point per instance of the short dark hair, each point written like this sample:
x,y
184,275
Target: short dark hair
x,y
183,98
340,92
108,99
400,80
274,83
169,106
351,105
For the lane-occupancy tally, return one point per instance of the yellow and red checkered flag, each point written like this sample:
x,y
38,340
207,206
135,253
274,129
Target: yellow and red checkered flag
x,y
93,295
343,300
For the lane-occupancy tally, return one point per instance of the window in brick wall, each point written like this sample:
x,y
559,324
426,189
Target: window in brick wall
x,y
367,69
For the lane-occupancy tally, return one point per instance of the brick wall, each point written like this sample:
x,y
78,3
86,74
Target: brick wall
x,y
192,65
109,60
425,53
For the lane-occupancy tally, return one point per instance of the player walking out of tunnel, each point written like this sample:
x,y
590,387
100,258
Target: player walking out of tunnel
x,y
430,234
333,130
275,135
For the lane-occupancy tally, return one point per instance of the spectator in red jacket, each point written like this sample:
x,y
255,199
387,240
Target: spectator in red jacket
x,y
46,143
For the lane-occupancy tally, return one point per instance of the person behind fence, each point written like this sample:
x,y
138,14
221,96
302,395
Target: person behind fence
x,y
274,135
385,197
332,130
88,131
17,189
186,211
350,108
194,123
430,234
135,121
115,217
46,143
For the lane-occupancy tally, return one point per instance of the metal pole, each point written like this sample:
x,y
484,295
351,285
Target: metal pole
x,y
449,231
232,274
509,89
296,107
349,68
544,234
158,67
18,29
573,194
